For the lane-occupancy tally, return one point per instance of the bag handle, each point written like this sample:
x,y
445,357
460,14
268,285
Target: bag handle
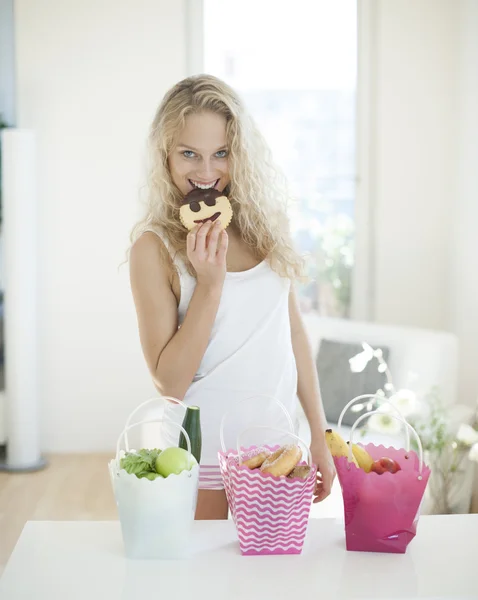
x,y
238,445
151,400
226,414
383,400
128,427
402,420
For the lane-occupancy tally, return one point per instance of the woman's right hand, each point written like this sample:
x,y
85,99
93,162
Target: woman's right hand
x,y
206,249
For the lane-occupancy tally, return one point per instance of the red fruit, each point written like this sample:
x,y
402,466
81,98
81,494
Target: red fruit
x,y
385,464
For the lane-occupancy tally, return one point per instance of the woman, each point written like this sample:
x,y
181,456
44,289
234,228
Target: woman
x,y
217,312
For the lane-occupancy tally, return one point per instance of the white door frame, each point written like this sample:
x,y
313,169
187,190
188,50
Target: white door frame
x,y
363,277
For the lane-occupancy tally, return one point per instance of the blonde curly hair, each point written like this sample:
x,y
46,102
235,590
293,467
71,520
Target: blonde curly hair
x,y
257,191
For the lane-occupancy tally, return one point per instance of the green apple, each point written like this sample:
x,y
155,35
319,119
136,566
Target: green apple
x,y
174,460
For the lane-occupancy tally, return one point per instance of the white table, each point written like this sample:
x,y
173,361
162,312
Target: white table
x,y
72,560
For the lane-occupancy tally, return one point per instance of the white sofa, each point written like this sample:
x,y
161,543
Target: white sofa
x,y
431,355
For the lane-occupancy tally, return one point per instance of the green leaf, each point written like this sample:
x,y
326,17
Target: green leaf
x,y
133,463
149,456
142,461
148,475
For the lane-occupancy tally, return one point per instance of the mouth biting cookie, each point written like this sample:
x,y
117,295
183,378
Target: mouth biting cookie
x,y
200,206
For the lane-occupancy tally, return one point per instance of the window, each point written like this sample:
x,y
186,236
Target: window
x,y
294,64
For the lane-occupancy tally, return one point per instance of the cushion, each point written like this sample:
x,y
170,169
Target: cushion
x,y
338,385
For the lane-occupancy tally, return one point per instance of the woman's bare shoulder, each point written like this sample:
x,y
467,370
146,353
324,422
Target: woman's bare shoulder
x,y
149,252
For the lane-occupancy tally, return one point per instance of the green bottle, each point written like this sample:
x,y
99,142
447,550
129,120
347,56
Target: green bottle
x,y
192,424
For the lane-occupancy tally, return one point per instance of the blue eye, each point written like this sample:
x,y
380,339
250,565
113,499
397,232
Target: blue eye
x,y
188,154
221,154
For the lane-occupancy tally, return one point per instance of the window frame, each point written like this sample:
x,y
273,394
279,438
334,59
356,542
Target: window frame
x,y
363,295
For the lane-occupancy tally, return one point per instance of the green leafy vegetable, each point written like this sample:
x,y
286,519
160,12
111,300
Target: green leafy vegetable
x,y
141,463
149,475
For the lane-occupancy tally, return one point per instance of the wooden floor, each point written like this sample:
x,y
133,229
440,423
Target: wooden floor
x,y
72,487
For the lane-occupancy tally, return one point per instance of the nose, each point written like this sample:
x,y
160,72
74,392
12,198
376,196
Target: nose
x,y
206,170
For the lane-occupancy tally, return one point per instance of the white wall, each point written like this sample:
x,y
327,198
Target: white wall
x,y
424,140
415,57
90,75
464,283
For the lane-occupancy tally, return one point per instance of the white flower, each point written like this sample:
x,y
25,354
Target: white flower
x,y
385,408
359,362
383,422
368,349
406,401
474,453
467,435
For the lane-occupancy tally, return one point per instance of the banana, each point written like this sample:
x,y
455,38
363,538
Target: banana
x,y
337,445
363,458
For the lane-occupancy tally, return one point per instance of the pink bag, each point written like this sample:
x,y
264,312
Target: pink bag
x,y
381,511
271,513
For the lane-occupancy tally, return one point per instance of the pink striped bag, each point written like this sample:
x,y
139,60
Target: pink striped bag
x,y
271,513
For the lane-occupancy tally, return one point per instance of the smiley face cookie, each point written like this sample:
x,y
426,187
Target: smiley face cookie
x,y
200,206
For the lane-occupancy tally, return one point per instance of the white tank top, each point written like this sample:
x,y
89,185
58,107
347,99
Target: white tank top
x,y
249,356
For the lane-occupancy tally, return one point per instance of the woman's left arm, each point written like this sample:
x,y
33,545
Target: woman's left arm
x,y
308,391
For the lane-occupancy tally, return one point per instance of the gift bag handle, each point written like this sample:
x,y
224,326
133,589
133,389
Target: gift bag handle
x,y
382,400
155,399
226,414
402,420
128,427
238,445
